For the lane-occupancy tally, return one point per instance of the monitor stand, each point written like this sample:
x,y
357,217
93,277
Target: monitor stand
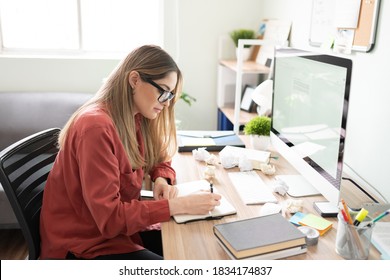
x,y
326,208
298,186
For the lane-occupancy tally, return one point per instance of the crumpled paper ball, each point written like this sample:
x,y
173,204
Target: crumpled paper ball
x,y
244,164
280,187
293,205
228,159
268,169
200,154
212,160
209,172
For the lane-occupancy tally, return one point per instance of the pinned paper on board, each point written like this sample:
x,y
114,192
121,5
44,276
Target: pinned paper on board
x,y
278,31
344,25
347,13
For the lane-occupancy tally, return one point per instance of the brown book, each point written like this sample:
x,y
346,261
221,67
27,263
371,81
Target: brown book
x,y
260,235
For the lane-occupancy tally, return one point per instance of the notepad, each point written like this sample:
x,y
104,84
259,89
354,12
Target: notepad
x,y
224,209
317,222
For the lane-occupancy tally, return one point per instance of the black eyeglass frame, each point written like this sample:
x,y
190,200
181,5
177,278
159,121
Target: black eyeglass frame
x,y
167,94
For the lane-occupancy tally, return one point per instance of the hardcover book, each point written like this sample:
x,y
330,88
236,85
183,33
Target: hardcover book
x,y
275,255
260,235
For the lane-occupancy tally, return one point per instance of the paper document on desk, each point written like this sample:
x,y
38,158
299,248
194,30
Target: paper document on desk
x,y
224,209
205,133
197,142
257,157
381,238
189,140
251,188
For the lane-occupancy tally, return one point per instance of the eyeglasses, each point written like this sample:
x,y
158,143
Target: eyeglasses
x,y
164,94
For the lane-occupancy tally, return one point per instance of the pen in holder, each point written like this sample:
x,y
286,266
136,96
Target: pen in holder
x,y
353,242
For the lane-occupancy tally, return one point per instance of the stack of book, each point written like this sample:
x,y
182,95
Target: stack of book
x,y
265,237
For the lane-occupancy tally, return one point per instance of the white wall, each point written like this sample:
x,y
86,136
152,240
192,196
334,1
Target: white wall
x,y
194,42
368,128
49,74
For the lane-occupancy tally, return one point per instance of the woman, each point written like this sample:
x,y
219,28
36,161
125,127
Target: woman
x,y
91,207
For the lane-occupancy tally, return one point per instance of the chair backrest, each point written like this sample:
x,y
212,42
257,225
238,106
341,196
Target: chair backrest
x,y
24,167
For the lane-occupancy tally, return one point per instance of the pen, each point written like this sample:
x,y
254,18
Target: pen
x,y
379,217
344,215
360,216
349,220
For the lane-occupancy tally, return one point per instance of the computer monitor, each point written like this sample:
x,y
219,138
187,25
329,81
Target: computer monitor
x,y
309,117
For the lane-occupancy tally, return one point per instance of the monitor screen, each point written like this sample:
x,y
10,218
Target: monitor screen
x,y
309,116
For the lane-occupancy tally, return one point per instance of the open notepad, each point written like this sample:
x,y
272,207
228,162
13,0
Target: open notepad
x,y
224,209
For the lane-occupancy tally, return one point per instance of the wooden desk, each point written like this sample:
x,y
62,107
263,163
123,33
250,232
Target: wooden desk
x,y
196,240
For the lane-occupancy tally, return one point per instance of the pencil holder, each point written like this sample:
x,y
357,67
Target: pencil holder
x,y
353,242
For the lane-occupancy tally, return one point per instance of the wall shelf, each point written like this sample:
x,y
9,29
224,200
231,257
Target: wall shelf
x,y
245,117
233,75
248,67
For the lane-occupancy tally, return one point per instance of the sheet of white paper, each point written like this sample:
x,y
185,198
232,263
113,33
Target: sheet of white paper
x,y
381,237
194,141
347,13
251,154
277,31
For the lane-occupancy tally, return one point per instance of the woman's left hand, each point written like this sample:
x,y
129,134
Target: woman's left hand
x,y
162,190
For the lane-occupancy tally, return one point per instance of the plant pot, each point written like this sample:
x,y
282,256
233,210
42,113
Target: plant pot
x,y
246,53
260,142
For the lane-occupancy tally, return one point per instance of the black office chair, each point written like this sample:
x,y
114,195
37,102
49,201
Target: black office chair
x,y
24,167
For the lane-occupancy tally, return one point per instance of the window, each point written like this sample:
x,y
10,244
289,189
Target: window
x,y
79,25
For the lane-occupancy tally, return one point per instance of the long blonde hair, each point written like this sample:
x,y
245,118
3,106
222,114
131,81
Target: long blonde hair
x,y
116,96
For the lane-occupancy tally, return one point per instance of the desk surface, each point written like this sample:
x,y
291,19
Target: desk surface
x,y
196,240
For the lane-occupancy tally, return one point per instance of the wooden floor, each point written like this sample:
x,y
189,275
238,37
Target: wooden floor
x,y
12,245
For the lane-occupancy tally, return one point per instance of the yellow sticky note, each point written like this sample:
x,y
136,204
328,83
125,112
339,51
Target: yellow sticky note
x,y
317,222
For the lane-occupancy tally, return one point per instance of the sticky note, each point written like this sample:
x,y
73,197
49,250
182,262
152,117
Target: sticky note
x,y
296,218
317,222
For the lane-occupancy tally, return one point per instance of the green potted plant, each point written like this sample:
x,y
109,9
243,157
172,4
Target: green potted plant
x,y
259,129
187,98
243,34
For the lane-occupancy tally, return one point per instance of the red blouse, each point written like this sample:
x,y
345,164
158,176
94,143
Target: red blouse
x,y
91,200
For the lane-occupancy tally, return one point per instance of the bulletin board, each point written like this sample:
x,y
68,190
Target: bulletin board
x,y
325,27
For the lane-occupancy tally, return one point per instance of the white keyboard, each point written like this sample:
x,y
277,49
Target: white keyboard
x,y
251,188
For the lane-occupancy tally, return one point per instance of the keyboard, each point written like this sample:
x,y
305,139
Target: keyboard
x,y
251,188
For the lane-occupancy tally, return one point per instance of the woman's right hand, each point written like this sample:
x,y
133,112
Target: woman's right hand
x,y
199,203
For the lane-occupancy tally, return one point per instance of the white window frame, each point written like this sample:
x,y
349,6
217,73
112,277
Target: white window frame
x,y
75,53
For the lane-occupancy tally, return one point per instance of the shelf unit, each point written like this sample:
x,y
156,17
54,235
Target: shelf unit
x,y
232,75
